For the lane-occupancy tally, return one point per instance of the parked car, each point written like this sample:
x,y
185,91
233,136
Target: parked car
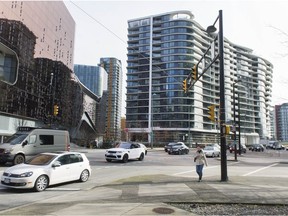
x,y
275,145
125,151
211,151
232,148
257,147
47,169
178,148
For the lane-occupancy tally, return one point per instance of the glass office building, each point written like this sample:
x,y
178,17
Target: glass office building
x,y
51,23
93,77
162,49
41,33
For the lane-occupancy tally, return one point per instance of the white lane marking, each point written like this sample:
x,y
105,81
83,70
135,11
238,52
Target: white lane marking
x,y
250,173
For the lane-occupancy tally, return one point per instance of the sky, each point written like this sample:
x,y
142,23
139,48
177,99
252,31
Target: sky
x,y
101,30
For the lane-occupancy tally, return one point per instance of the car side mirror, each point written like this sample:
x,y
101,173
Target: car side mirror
x,y
56,164
25,143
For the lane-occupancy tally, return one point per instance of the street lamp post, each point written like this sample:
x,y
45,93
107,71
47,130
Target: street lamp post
x,y
239,125
152,135
210,29
224,176
234,114
152,119
52,96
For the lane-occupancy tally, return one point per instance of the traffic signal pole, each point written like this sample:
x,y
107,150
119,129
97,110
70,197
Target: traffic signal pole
x,y
224,176
191,76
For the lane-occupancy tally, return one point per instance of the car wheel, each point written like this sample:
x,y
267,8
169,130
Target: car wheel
x,y
125,158
187,151
84,176
141,157
41,183
18,159
213,155
108,160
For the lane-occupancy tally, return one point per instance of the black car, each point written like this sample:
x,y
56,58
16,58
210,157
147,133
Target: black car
x,y
257,147
169,145
178,148
232,148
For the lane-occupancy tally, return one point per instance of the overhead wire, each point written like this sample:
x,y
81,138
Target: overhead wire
x,y
101,24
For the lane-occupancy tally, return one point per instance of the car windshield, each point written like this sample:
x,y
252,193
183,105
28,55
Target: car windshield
x,y
16,139
176,145
41,159
208,148
124,145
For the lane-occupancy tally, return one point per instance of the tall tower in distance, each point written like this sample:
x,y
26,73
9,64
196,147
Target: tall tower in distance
x,y
113,67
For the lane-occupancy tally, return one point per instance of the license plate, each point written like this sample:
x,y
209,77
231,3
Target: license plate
x,y
7,180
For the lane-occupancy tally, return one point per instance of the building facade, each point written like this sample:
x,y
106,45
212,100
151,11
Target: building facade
x,y
54,34
93,77
162,49
281,122
41,34
113,102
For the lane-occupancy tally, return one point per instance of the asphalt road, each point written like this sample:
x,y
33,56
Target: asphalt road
x,y
253,164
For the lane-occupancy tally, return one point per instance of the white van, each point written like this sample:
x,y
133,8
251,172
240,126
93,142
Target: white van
x,y
29,141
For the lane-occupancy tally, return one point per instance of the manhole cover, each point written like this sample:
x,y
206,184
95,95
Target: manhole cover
x,y
162,210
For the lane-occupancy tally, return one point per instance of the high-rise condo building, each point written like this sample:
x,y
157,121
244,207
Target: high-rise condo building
x,y
162,50
281,122
113,98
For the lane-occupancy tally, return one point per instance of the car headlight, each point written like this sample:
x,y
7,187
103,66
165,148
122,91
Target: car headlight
x,y
26,174
8,151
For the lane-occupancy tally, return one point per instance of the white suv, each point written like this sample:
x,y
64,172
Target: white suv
x,y
125,151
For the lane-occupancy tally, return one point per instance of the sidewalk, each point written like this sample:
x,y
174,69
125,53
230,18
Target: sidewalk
x,y
154,194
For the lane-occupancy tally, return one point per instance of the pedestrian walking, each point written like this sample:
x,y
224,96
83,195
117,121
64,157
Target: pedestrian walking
x,y
200,160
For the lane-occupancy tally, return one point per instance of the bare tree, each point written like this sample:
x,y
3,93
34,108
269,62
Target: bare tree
x,y
284,42
19,123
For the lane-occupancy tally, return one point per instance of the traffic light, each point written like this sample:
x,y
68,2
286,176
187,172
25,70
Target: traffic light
x,y
211,112
185,86
56,110
227,131
194,73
